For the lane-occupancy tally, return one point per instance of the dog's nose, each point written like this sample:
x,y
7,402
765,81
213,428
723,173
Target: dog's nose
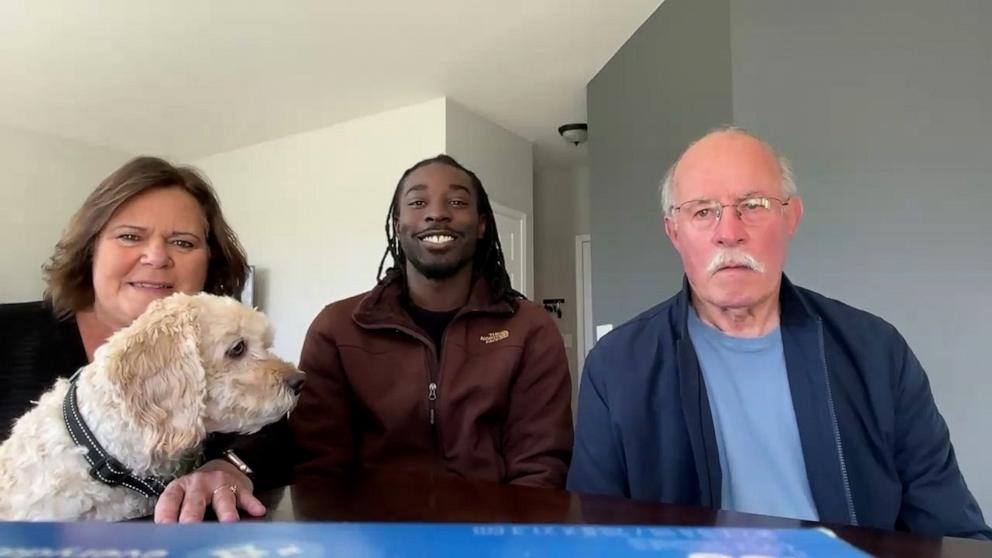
x,y
295,381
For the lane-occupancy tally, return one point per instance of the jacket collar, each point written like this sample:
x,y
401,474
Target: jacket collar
x,y
793,309
383,306
809,385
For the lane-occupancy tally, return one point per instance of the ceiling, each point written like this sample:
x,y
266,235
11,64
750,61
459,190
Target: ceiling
x,y
188,78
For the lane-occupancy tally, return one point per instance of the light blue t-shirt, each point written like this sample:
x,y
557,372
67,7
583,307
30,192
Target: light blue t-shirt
x,y
760,453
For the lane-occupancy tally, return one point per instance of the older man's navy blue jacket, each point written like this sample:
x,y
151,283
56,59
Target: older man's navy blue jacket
x,y
877,451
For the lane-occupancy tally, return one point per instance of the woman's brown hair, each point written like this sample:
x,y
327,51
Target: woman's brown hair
x,y
69,272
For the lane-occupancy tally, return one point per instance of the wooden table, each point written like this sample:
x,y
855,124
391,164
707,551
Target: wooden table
x,y
422,497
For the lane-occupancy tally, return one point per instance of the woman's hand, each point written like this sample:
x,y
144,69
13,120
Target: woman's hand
x,y
216,483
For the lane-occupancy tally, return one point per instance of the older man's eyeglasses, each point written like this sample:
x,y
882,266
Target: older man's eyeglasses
x,y
752,211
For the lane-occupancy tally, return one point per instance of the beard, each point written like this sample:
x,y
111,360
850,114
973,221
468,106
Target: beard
x,y
439,270
437,267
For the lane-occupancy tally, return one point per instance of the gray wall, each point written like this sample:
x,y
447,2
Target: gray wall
x,y
561,212
885,107
670,81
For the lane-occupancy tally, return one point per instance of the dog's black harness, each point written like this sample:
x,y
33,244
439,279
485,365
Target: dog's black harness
x,y
103,466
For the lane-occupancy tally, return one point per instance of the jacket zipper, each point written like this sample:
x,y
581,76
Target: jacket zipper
x,y
833,418
433,378
434,367
432,405
431,398
432,387
432,383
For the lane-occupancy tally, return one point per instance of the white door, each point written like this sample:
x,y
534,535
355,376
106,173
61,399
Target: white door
x,y
583,299
512,227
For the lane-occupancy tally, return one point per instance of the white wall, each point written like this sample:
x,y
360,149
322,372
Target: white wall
x,y
503,161
310,208
561,212
45,180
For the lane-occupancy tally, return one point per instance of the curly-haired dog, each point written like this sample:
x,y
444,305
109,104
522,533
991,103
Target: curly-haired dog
x,y
188,366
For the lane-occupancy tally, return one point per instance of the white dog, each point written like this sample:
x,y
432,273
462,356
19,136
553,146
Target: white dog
x,y
188,366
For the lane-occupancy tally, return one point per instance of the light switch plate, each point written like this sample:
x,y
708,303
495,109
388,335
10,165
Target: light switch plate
x,y
602,330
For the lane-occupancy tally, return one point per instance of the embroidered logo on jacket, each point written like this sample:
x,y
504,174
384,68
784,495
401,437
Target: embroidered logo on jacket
x,y
494,336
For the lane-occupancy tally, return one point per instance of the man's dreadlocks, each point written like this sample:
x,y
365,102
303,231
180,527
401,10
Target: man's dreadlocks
x,y
487,262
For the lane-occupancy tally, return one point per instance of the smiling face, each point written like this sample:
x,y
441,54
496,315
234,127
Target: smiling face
x,y
438,223
732,264
154,245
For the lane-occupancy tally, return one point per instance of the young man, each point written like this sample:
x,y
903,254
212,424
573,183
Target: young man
x,y
442,366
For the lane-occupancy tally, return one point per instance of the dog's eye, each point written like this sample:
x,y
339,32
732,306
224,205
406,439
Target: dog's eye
x,y
238,349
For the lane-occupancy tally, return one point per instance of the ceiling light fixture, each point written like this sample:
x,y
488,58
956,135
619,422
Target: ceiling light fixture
x,y
575,133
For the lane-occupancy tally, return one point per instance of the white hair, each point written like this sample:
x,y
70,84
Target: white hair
x,y
667,186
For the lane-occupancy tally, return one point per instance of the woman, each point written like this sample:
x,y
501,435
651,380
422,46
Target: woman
x,y
148,230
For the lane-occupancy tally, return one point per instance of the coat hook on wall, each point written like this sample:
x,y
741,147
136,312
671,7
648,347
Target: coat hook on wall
x,y
553,305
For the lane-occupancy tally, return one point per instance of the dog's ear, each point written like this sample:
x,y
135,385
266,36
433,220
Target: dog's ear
x,y
156,367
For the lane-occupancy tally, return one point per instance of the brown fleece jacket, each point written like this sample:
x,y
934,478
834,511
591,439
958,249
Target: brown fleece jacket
x,y
494,405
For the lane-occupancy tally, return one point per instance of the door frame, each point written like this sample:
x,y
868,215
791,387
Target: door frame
x,y
584,335
522,217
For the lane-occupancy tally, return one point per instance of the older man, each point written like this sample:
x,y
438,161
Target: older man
x,y
745,392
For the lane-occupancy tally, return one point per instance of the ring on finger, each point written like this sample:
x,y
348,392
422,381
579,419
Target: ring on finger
x,y
232,487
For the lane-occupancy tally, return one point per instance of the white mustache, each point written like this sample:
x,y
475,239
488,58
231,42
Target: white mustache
x,y
733,257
